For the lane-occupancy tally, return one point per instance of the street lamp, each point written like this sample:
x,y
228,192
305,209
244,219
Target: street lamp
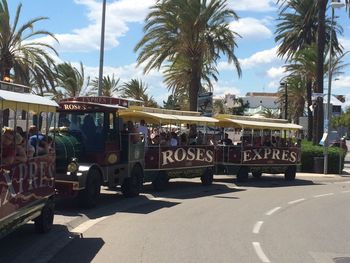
x,y
102,46
334,5
284,84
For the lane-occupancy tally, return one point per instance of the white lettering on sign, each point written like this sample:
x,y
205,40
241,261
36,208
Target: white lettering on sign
x,y
74,107
24,178
191,154
269,154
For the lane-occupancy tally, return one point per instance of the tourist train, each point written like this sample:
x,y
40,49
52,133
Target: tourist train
x,y
72,148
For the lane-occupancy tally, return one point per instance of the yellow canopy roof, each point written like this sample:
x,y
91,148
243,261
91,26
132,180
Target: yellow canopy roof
x,y
26,101
159,116
247,122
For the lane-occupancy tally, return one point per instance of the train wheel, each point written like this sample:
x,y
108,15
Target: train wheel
x,y
289,174
44,222
89,197
242,175
257,174
132,185
161,181
207,177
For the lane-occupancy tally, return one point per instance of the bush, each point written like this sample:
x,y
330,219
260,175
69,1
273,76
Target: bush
x,y
309,151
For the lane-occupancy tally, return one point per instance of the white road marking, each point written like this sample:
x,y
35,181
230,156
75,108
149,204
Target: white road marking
x,y
157,198
260,252
257,227
344,192
316,196
296,201
273,210
86,225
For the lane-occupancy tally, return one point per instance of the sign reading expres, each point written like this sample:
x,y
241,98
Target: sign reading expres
x,y
269,155
25,182
187,156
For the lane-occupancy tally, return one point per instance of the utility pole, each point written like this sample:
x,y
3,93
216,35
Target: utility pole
x,y
286,101
102,46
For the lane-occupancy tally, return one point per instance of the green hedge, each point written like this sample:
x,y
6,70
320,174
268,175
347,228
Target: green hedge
x,y
309,151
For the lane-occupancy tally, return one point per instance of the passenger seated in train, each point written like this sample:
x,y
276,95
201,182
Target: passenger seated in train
x,y
21,155
37,140
183,139
267,141
226,140
174,139
192,135
8,152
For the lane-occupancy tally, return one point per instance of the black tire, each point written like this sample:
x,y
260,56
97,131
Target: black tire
x,y
89,196
44,222
242,175
207,177
132,185
160,183
289,174
257,174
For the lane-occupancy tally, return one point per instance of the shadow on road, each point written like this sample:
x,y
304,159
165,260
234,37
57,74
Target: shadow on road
x,y
24,244
268,181
80,250
191,190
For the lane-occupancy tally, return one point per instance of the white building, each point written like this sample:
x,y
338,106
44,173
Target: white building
x,y
260,101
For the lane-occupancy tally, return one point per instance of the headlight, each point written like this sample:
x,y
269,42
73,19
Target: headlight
x,y
72,167
112,158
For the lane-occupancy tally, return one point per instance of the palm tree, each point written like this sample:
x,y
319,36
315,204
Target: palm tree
x,y
304,67
296,96
193,33
21,56
71,81
136,89
110,85
269,113
219,106
322,35
296,31
172,103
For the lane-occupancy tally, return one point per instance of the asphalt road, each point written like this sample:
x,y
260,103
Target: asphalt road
x,y
267,220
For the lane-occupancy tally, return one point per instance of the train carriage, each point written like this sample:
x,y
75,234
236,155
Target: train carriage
x,y
27,159
176,146
258,145
92,150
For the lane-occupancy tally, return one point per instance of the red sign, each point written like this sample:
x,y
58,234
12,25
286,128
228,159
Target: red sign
x,y
99,100
24,183
269,155
179,157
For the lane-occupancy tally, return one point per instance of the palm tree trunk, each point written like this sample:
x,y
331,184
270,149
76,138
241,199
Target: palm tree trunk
x,y
309,112
194,87
318,117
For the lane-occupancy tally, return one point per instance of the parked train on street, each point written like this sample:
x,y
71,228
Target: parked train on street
x,y
258,145
27,159
176,144
92,150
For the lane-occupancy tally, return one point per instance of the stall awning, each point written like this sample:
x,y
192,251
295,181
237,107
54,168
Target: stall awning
x,y
26,101
250,124
161,118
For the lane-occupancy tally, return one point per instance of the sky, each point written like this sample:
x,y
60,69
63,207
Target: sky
x,y
77,26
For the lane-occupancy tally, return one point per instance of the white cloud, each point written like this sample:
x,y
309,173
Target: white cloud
x,y
221,89
346,43
251,28
341,83
276,72
153,79
259,58
118,14
252,5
